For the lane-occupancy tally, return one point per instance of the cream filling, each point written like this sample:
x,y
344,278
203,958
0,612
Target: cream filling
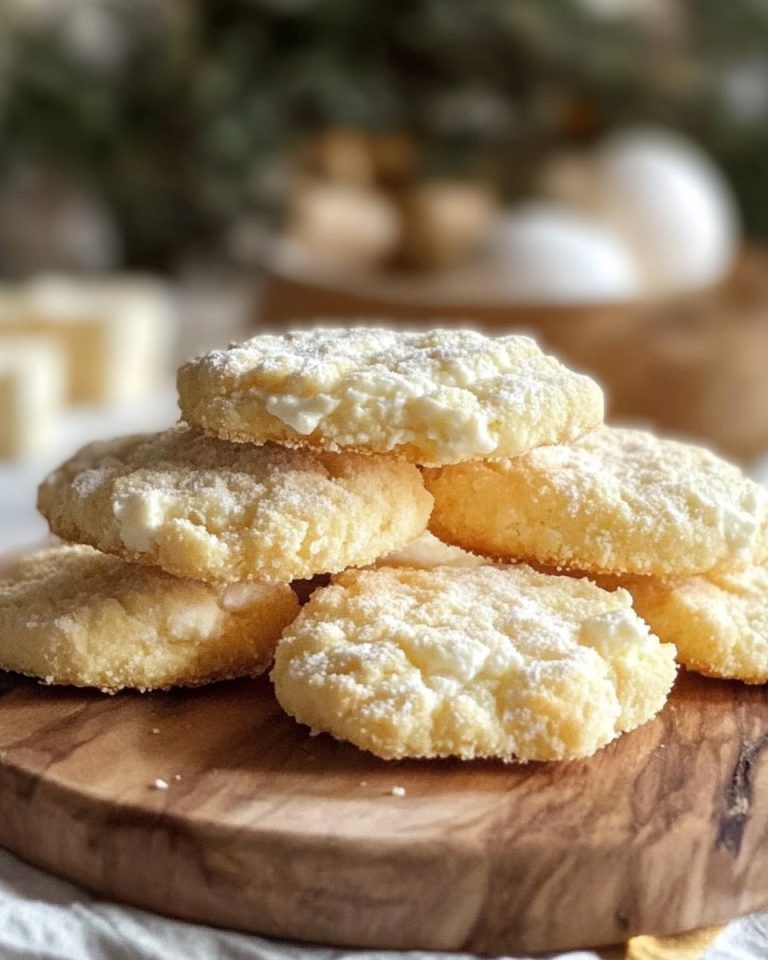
x,y
238,597
461,432
138,518
613,631
302,414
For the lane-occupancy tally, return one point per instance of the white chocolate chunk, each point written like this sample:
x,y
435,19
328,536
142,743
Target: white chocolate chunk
x,y
117,335
32,373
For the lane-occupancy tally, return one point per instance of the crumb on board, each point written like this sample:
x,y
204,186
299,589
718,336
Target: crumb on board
x,y
155,729
398,791
160,784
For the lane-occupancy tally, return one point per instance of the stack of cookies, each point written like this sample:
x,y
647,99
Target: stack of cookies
x,y
325,456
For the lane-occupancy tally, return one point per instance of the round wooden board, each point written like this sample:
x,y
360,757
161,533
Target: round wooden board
x,y
273,831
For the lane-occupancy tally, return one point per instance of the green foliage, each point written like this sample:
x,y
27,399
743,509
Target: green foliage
x,y
180,129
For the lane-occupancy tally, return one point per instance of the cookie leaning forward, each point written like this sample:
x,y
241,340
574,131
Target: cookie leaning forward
x,y
615,501
718,621
441,396
212,510
73,615
471,662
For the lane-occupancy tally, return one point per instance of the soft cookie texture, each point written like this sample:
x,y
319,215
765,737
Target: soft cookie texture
x,y
72,615
436,397
718,622
471,662
615,501
426,552
212,510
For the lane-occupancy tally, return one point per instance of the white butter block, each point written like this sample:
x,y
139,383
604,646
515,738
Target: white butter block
x,y
32,388
118,334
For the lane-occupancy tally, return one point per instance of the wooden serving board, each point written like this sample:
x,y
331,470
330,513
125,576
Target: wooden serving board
x,y
273,831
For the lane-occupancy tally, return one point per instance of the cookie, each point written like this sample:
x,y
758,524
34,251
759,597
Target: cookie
x,y
426,552
488,661
615,501
212,510
718,622
440,396
72,615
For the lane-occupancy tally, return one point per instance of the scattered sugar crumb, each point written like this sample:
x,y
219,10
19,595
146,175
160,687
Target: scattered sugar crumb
x,y
177,776
363,783
398,791
155,730
160,784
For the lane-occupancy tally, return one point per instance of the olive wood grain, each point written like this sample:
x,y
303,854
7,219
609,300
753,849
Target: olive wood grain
x,y
267,829
273,831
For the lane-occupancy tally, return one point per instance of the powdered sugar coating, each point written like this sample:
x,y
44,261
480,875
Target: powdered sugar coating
x,y
440,396
72,615
211,510
718,622
471,662
427,552
615,501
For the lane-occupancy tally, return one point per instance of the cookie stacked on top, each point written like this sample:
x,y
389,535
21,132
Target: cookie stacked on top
x,y
321,453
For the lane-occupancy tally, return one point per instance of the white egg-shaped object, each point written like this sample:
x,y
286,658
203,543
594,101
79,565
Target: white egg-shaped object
x,y
543,253
668,202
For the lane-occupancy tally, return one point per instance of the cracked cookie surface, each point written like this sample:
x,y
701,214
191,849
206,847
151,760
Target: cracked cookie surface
x,y
211,510
435,397
488,661
615,501
717,621
69,614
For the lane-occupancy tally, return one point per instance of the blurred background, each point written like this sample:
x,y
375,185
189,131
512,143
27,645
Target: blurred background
x,y
178,173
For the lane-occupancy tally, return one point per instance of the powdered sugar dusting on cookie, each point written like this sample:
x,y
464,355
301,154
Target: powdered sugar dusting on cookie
x,y
614,501
220,511
462,661
88,482
718,621
70,614
439,396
